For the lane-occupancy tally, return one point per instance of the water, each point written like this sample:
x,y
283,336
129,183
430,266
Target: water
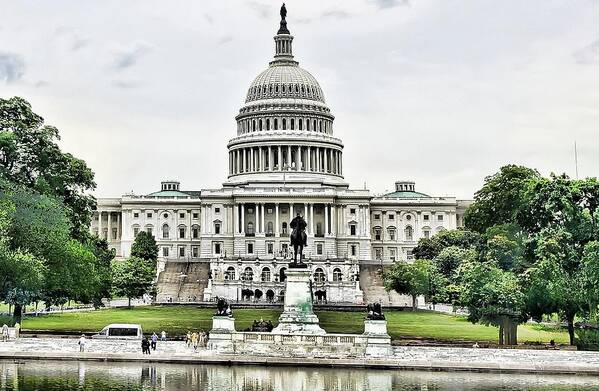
x,y
96,376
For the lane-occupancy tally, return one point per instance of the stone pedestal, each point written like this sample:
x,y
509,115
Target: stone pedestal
x,y
298,316
221,335
378,342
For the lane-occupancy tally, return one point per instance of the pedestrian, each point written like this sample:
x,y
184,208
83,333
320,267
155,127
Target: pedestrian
x,y
145,345
188,338
203,339
82,342
4,332
154,340
194,340
163,336
17,330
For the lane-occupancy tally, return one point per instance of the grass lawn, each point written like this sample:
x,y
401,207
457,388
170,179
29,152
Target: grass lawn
x,y
177,320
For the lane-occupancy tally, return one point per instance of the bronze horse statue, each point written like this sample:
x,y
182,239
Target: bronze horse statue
x,y
298,237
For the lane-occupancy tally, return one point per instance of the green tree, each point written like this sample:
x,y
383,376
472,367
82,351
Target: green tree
x,y
103,260
590,276
30,156
409,279
132,278
450,258
429,248
144,247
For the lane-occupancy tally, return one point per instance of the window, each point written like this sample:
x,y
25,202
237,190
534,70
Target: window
x,y
377,234
196,215
165,230
181,232
352,211
195,232
319,275
337,275
248,274
230,273
319,249
284,228
250,228
409,233
135,215
408,217
216,210
150,230
391,217
427,233
250,248
181,252
378,253
135,231
165,252
391,233
410,255
265,275
352,229
439,217
377,216
181,215
392,254
217,248
269,248
425,217
269,228
284,248
195,252
217,228
149,215
319,229
165,215
114,233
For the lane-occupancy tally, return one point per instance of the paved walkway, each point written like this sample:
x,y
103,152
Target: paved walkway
x,y
404,357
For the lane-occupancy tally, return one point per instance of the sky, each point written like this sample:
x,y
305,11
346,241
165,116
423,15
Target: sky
x,y
440,92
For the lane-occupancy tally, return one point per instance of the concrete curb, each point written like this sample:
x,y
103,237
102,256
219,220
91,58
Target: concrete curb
x,y
442,366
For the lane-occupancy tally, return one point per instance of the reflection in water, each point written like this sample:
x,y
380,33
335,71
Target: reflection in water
x,y
95,376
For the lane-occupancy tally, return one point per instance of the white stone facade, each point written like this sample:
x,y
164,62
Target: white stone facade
x,y
284,160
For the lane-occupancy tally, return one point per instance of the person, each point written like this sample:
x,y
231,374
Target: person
x,y
194,340
4,332
82,342
203,339
188,338
17,330
154,340
145,345
476,345
163,336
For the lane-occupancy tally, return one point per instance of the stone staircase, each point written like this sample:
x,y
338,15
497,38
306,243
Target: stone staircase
x,y
182,282
371,283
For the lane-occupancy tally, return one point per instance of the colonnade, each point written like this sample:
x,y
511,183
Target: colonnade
x,y
285,157
306,209
107,232
309,124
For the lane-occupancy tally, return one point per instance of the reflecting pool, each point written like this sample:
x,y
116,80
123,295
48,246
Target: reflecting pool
x,y
73,375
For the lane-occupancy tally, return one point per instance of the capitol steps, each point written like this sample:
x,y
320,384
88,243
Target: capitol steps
x,y
371,283
182,282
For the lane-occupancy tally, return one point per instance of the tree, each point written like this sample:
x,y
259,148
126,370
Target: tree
x,y
30,156
429,248
450,258
145,247
132,278
590,276
103,270
409,279
501,198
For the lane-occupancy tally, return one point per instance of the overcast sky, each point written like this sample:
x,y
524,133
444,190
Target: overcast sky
x,y
442,92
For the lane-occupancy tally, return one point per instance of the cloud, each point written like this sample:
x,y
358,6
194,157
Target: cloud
x,y
225,39
209,18
335,14
12,67
127,84
588,54
262,10
75,39
129,56
383,4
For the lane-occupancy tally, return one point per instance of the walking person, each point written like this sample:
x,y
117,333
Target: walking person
x,y
194,340
145,345
154,340
188,338
4,332
17,330
163,336
82,342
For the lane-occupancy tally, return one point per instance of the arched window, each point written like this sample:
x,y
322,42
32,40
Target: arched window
x,y
267,124
260,124
284,124
165,231
319,275
377,233
276,127
230,273
318,229
265,275
181,232
391,231
250,228
409,233
426,232
195,232
217,225
284,228
248,274
282,274
292,124
269,228
253,125
337,275
299,123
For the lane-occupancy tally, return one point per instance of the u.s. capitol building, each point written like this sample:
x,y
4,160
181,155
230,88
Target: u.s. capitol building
x,y
284,159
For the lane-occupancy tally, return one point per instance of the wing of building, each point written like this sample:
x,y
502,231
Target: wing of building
x,y
284,159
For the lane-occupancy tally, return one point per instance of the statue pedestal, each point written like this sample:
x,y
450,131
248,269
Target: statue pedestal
x,y
375,327
298,316
221,335
378,343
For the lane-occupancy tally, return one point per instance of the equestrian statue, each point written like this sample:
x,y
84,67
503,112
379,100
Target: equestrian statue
x,y
298,238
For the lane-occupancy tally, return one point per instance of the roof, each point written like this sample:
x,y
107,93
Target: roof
x,y
168,193
406,194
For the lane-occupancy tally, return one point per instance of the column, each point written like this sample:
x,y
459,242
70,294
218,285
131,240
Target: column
x,y
252,163
243,218
333,220
277,233
243,162
280,160
308,168
100,224
271,167
312,219
118,226
326,219
326,153
235,219
262,218
291,211
317,159
305,211
289,156
109,232
298,158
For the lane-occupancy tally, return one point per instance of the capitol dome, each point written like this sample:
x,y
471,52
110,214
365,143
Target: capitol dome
x,y
285,128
